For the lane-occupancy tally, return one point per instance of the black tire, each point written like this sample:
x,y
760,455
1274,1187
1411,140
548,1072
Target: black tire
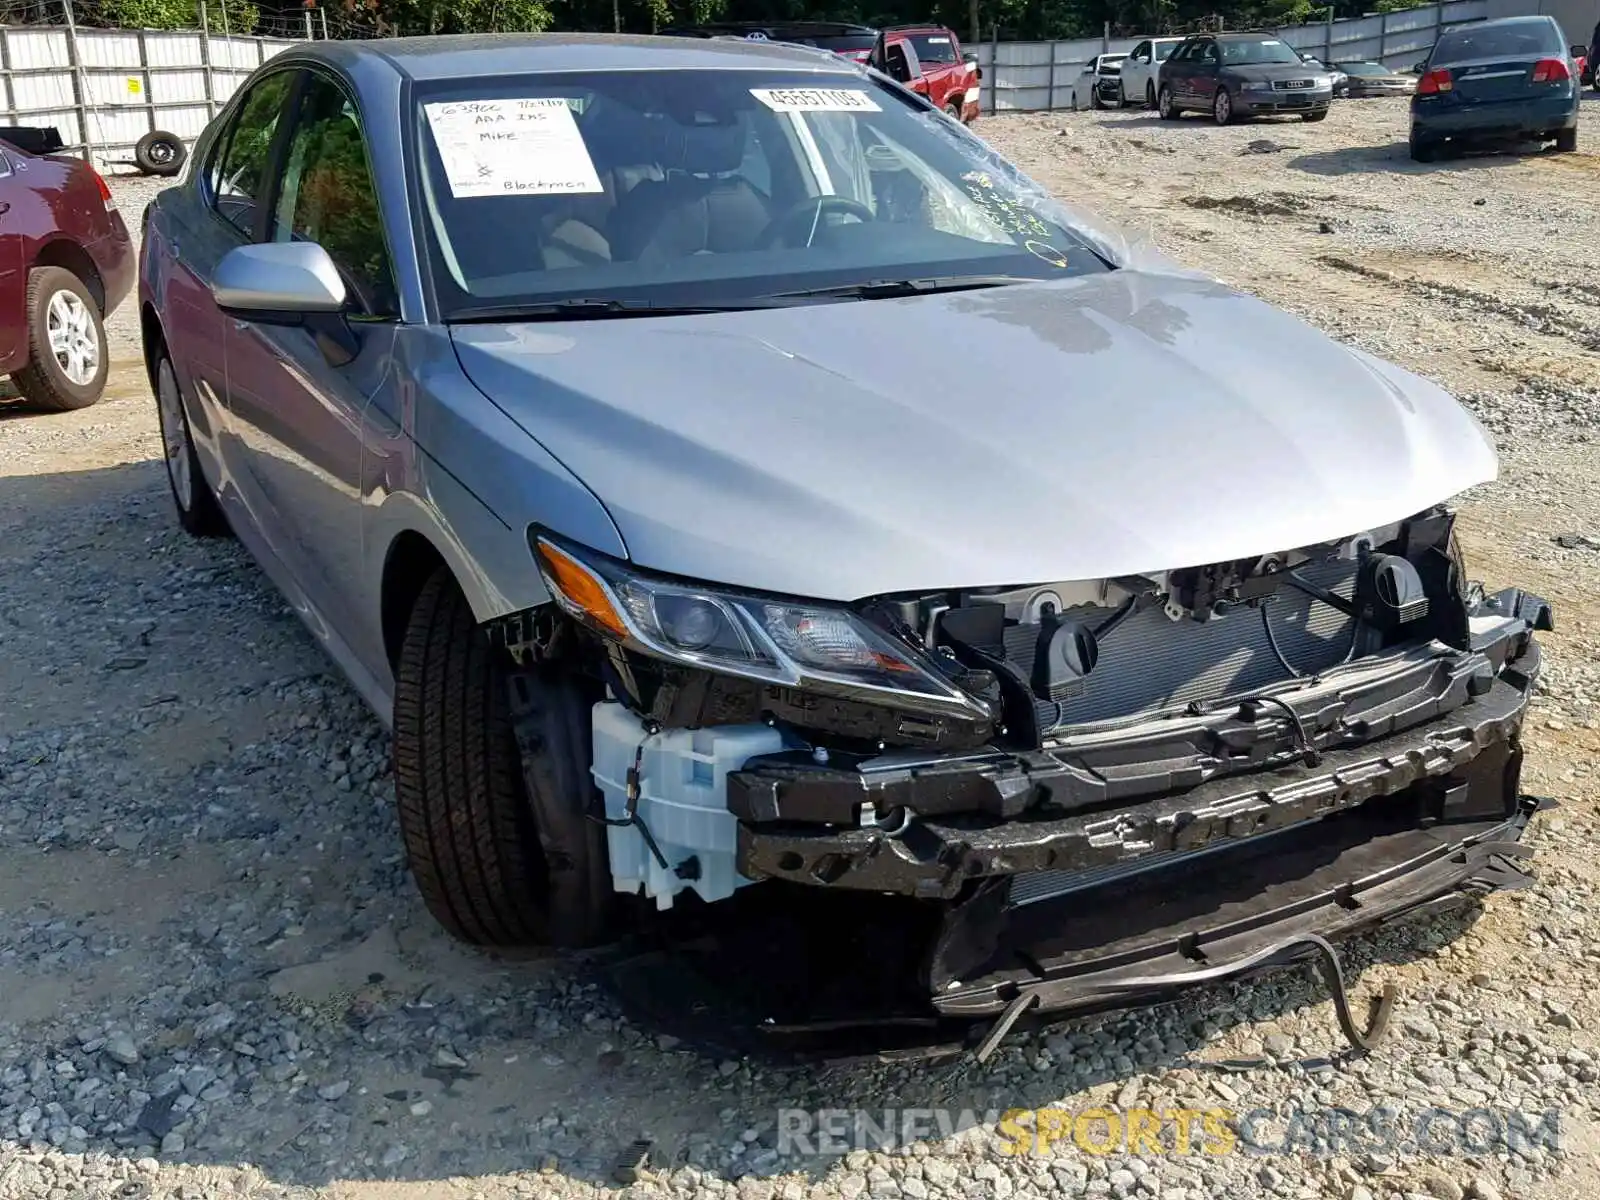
x,y
1167,105
198,511
160,153
1150,96
1320,115
1423,151
1566,141
1222,107
56,294
1122,95
955,112
483,828
1094,97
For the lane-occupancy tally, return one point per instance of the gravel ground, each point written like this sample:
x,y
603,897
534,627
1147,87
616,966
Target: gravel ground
x,y
216,979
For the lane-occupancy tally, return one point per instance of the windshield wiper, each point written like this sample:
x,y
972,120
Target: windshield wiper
x,y
888,289
582,308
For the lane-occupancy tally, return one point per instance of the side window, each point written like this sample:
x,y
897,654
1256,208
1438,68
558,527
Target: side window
x,y
1208,53
328,195
1141,51
898,66
238,177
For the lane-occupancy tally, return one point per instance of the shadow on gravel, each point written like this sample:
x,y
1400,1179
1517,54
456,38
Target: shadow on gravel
x,y
201,887
1396,158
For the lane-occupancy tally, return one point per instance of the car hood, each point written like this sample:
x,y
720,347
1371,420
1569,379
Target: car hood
x,y
1270,72
1112,424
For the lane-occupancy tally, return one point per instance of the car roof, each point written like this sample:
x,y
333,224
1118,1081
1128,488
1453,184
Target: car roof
x,y
459,56
1499,22
798,28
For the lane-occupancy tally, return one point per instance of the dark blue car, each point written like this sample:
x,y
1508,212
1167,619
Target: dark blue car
x,y
1496,80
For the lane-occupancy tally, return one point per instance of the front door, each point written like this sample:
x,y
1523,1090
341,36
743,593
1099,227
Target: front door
x,y
1202,71
300,415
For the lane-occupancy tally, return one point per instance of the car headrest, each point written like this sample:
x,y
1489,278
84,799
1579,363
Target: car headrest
x,y
703,149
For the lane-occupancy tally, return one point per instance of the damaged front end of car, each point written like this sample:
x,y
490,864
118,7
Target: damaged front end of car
x,y
1111,787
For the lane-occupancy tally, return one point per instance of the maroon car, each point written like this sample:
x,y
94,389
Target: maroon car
x,y
66,262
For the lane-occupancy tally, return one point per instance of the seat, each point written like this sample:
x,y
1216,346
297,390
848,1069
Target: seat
x,y
700,207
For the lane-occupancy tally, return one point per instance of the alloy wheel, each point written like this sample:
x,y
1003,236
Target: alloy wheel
x,y
73,338
1222,109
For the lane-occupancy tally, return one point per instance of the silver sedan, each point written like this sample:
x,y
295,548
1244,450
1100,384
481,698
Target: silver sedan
x,y
719,467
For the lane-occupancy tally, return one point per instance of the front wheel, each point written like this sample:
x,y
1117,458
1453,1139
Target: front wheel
x,y
1421,151
1222,107
1166,106
198,511
1122,95
1566,141
495,815
1094,98
1149,95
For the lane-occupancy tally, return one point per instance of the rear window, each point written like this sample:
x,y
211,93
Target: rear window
x,y
1362,68
1499,41
934,47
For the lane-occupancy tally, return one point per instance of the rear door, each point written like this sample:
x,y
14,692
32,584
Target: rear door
x,y
229,202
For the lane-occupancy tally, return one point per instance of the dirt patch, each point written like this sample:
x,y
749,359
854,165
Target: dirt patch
x,y
1272,204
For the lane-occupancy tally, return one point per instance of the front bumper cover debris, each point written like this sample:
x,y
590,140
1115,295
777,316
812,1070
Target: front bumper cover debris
x,y
1374,794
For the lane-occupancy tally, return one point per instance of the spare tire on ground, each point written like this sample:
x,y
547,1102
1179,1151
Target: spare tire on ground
x,y
160,153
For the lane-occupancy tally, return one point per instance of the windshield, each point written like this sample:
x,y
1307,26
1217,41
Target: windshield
x,y
715,187
1266,50
1527,39
1362,68
934,47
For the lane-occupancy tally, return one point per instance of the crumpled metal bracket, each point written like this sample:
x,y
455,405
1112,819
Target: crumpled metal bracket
x,y
1292,949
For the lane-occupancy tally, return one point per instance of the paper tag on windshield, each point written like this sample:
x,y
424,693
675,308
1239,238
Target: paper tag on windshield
x,y
815,100
511,147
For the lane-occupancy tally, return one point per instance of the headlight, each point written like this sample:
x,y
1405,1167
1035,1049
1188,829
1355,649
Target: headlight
x,y
1255,87
777,641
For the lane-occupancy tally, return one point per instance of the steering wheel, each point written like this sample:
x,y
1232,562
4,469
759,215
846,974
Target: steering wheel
x,y
811,211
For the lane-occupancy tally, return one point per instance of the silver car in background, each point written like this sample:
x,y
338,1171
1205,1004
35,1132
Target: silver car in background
x,y
582,396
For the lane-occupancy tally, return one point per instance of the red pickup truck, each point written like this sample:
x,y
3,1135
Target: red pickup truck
x,y
928,59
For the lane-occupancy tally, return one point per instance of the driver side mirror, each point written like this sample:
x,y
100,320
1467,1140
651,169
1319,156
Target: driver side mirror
x,y
1419,67
1579,51
287,283
970,59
